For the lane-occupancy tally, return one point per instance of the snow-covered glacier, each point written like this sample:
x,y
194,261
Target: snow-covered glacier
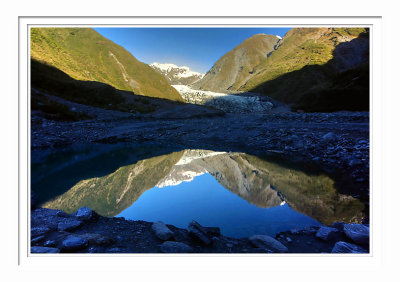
x,y
230,103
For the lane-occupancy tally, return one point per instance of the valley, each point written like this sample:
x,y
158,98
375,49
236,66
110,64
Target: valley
x,y
278,128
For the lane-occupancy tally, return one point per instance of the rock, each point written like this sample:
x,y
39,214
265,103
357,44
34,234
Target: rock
x,y
344,247
69,225
74,243
92,250
161,230
84,213
37,239
50,243
61,214
114,250
40,230
44,250
267,242
326,233
338,225
175,247
212,231
197,231
354,162
329,137
95,239
359,233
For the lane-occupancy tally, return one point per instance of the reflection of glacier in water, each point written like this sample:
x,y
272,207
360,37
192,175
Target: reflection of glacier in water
x,y
240,193
208,202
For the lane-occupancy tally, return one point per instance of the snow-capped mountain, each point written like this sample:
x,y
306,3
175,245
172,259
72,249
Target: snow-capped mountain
x,y
177,75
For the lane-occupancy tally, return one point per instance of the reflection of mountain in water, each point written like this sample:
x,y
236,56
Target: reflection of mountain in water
x,y
262,183
111,194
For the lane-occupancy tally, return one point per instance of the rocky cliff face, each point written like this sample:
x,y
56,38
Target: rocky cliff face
x,y
233,69
226,102
177,75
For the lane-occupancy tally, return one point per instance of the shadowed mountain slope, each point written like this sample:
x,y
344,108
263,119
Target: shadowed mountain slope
x,y
317,69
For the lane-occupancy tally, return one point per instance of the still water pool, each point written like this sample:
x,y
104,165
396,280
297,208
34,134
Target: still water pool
x,y
240,193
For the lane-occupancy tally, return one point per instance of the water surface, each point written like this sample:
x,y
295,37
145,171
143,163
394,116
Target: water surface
x,y
240,193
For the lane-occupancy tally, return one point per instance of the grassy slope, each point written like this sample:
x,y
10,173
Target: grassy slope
x,y
301,72
233,69
85,55
50,80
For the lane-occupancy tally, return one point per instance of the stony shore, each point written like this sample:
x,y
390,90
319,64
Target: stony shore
x,y
336,142
54,231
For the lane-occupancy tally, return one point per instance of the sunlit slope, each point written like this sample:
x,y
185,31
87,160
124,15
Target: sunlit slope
x,y
234,68
84,54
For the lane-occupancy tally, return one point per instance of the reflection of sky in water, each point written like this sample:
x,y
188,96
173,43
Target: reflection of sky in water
x,y
209,203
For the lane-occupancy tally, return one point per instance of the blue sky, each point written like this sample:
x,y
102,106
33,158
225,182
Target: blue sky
x,y
197,48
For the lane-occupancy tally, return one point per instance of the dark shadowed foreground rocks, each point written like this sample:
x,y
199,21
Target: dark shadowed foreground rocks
x,y
161,230
97,234
175,247
357,232
344,247
268,243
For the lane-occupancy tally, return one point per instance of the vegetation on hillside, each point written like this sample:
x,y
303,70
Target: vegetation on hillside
x,y
234,68
308,71
85,55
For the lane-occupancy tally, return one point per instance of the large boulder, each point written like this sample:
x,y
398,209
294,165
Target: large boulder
x,y
344,247
161,230
269,243
44,250
175,247
199,232
326,233
84,213
74,243
359,233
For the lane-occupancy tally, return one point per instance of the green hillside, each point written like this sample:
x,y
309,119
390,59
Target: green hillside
x,y
85,55
315,69
234,68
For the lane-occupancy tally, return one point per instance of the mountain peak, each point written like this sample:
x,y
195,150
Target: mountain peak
x,y
177,75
